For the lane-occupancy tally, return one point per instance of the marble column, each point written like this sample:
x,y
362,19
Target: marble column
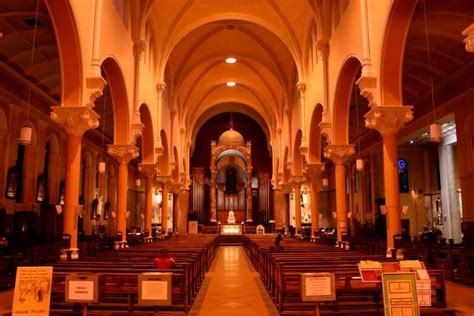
x,y
164,181
75,121
339,155
123,154
279,207
297,181
249,217
388,120
149,172
313,171
213,217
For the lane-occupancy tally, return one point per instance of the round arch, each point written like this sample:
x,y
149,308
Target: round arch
x,y
147,139
68,39
393,49
342,97
315,134
119,98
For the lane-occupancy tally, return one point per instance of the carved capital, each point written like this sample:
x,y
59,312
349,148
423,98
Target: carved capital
x,y
163,180
301,86
313,170
160,88
123,153
339,153
139,47
94,89
469,40
296,181
388,119
368,86
75,120
323,47
148,170
286,188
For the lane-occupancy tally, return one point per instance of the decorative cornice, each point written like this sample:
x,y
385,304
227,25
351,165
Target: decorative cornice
x,y
94,88
469,40
75,120
388,119
123,153
339,153
368,86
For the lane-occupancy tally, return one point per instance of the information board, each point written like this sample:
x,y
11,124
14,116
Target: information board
x,y
154,289
317,287
399,294
32,292
82,288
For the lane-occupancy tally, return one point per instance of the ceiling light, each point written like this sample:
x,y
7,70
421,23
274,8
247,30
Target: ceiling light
x,y
230,60
231,84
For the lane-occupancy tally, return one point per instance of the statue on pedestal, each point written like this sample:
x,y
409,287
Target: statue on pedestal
x,y
231,217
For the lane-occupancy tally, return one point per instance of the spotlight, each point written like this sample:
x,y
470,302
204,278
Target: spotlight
x,y
231,60
231,84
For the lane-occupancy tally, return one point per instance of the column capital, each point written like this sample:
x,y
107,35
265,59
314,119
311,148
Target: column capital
x,y
339,153
388,119
139,47
297,180
286,187
123,153
75,120
313,170
469,40
163,180
160,88
323,47
301,86
148,170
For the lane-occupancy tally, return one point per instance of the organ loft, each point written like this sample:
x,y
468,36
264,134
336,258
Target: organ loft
x,y
157,156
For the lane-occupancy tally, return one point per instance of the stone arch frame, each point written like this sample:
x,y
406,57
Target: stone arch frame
x,y
67,36
393,50
148,156
298,157
118,93
342,97
164,159
54,173
315,134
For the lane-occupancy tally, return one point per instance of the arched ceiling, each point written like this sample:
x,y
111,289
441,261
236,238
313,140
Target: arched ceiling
x,y
451,65
266,37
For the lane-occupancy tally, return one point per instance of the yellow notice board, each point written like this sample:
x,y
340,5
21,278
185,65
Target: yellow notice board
x,y
32,291
399,294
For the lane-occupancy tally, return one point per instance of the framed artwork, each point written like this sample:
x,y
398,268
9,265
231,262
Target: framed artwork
x,y
12,183
61,193
41,188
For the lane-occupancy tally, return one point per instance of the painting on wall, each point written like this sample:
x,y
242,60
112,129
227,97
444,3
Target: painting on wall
x,y
12,183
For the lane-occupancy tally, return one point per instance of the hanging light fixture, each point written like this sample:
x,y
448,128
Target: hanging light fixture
x,y
101,166
435,128
26,130
359,161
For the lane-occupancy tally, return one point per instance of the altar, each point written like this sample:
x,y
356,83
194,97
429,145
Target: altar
x,y
231,229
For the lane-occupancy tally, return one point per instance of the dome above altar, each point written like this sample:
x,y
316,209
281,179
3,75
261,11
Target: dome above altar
x,y
231,138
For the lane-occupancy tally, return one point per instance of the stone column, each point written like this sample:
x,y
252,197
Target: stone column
x,y
249,217
75,121
164,182
213,218
388,120
123,154
149,171
339,154
279,207
297,181
313,171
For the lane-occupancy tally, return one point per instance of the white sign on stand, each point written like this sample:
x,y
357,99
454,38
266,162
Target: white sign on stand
x,y
82,288
317,287
154,289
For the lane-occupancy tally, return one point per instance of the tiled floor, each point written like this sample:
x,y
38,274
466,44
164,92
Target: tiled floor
x,y
461,298
232,287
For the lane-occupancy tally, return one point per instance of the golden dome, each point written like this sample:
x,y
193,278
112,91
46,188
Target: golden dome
x,y
231,138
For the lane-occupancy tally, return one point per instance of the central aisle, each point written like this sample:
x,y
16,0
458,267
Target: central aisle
x,y
232,287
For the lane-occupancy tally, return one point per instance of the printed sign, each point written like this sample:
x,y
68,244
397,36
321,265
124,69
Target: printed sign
x,y
82,288
154,289
32,292
318,287
399,294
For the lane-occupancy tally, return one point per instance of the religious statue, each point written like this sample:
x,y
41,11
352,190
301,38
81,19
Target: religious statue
x,y
231,217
